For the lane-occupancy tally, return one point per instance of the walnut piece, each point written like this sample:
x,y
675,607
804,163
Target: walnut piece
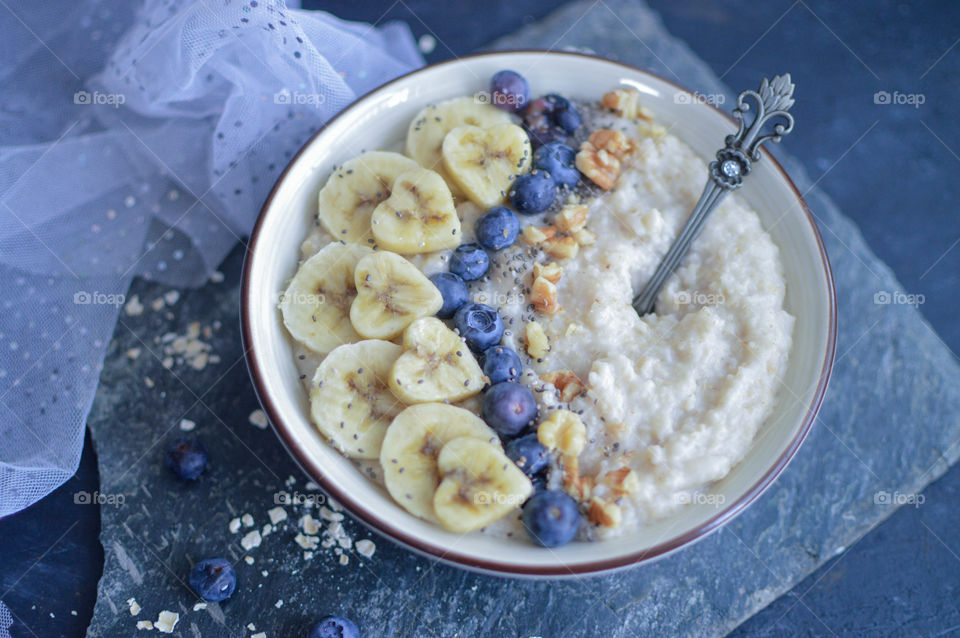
x,y
536,341
543,296
565,247
564,432
566,382
551,271
622,481
599,157
604,513
572,218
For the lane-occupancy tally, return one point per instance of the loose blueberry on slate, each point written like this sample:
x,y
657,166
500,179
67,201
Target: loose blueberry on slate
x,y
563,113
187,458
559,160
334,627
501,363
551,518
539,124
497,228
533,192
214,579
510,90
528,453
453,290
508,407
469,262
479,324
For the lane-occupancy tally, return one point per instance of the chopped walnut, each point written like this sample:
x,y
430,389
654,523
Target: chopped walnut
x,y
565,247
536,341
604,513
572,217
622,481
563,431
543,296
535,235
579,487
551,272
566,382
585,237
613,142
598,165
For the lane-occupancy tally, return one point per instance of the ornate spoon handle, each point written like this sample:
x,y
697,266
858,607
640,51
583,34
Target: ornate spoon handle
x,y
773,99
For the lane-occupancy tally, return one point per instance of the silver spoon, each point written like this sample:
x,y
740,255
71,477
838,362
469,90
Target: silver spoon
x,y
773,99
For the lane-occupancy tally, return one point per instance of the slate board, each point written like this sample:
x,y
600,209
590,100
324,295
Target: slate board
x,y
892,375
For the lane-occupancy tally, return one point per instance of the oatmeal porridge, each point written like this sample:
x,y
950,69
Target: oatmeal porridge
x,y
463,324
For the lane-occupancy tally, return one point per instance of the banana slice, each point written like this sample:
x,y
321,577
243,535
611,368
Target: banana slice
x,y
350,401
316,304
353,190
392,293
427,130
412,444
479,485
484,161
436,366
418,217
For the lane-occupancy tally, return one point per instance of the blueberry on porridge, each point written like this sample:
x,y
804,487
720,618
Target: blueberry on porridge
x,y
462,318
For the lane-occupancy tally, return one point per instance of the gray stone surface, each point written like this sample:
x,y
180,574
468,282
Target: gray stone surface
x,y
892,375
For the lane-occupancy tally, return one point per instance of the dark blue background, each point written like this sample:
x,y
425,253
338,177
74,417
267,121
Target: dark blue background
x,y
890,167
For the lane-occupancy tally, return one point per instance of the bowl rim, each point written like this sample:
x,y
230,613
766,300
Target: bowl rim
x,y
492,566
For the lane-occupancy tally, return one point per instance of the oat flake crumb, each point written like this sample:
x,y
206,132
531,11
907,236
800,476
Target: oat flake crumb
x,y
234,525
144,624
166,621
134,606
277,514
251,540
247,520
366,547
258,418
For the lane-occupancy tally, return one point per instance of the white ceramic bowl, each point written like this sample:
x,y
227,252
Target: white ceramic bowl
x,y
379,120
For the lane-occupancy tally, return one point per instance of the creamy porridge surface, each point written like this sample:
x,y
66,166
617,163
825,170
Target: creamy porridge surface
x,y
677,396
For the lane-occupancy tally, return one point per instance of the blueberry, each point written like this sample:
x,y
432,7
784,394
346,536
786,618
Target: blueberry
x,y
479,324
469,261
508,407
559,160
539,123
187,458
214,579
334,627
528,453
539,482
453,290
533,193
501,363
563,114
497,228
551,518
509,90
